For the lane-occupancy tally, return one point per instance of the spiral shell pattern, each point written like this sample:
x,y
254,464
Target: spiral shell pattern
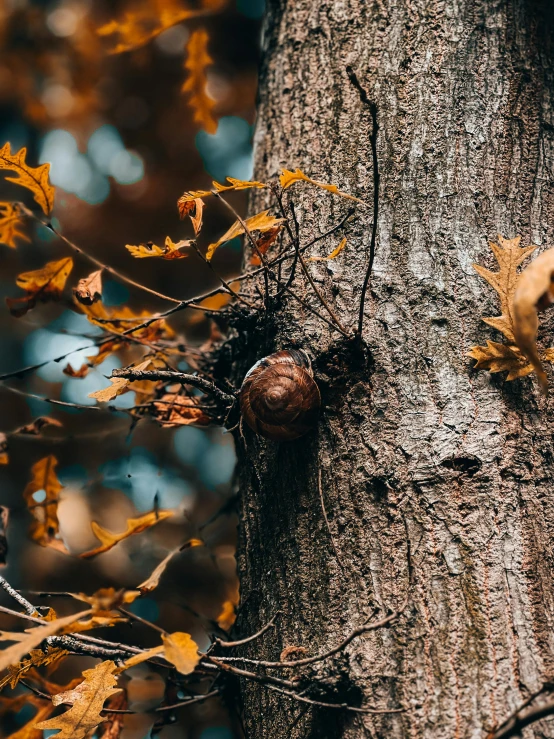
x,y
279,398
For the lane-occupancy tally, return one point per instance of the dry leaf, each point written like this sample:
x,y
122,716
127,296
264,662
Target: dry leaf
x,y
332,255
197,60
179,410
87,701
182,651
153,580
34,179
89,289
4,519
36,658
148,19
45,528
260,222
288,178
178,648
509,256
534,293
170,250
263,243
106,599
188,197
31,639
46,283
119,385
113,724
134,526
227,615
497,357
81,372
193,209
10,224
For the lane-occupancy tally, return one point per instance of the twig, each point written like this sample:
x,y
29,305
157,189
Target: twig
x,y
340,706
223,282
208,387
29,607
376,181
318,657
519,719
248,639
29,214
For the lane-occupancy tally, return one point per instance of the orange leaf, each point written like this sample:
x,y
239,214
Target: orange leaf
x,y
34,179
10,224
288,178
107,598
193,209
45,528
332,255
170,250
119,385
179,410
195,84
182,651
134,526
82,372
153,580
260,222
46,283
264,242
89,289
36,658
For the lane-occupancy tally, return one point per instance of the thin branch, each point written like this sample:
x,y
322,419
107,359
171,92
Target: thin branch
x,y
208,387
321,498
376,181
29,214
224,282
29,607
248,639
519,719
339,706
318,657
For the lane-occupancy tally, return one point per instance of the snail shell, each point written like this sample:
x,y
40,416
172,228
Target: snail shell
x,y
279,398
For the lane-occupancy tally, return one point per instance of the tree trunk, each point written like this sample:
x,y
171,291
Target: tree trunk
x,y
435,477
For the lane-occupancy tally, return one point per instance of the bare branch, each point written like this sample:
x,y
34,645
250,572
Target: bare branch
x,y
200,382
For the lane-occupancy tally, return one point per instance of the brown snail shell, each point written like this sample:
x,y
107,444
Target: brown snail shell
x,y
279,398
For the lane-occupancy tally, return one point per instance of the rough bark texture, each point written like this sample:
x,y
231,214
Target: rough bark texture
x,y
436,478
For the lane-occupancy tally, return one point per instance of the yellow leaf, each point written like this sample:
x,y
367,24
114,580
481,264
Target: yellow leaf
x,y
153,580
509,256
87,701
332,255
10,224
178,648
119,385
496,357
288,178
170,251
134,526
534,292
34,179
30,640
107,598
227,615
37,658
45,528
188,197
46,283
182,651
260,222
196,63
148,19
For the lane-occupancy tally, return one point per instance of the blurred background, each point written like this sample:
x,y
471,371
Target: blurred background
x,y
123,145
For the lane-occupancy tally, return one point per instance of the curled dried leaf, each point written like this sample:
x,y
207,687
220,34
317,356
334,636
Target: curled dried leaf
x,y
42,284
89,289
35,427
333,255
179,410
134,526
263,243
106,599
119,385
190,196
534,293
34,179
288,178
81,372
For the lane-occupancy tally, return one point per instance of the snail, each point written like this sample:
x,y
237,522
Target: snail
x,y
279,398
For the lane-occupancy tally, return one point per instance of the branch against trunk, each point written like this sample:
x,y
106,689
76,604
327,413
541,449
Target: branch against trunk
x,y
436,478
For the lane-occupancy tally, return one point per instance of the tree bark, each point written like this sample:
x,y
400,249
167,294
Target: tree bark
x,y
436,479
